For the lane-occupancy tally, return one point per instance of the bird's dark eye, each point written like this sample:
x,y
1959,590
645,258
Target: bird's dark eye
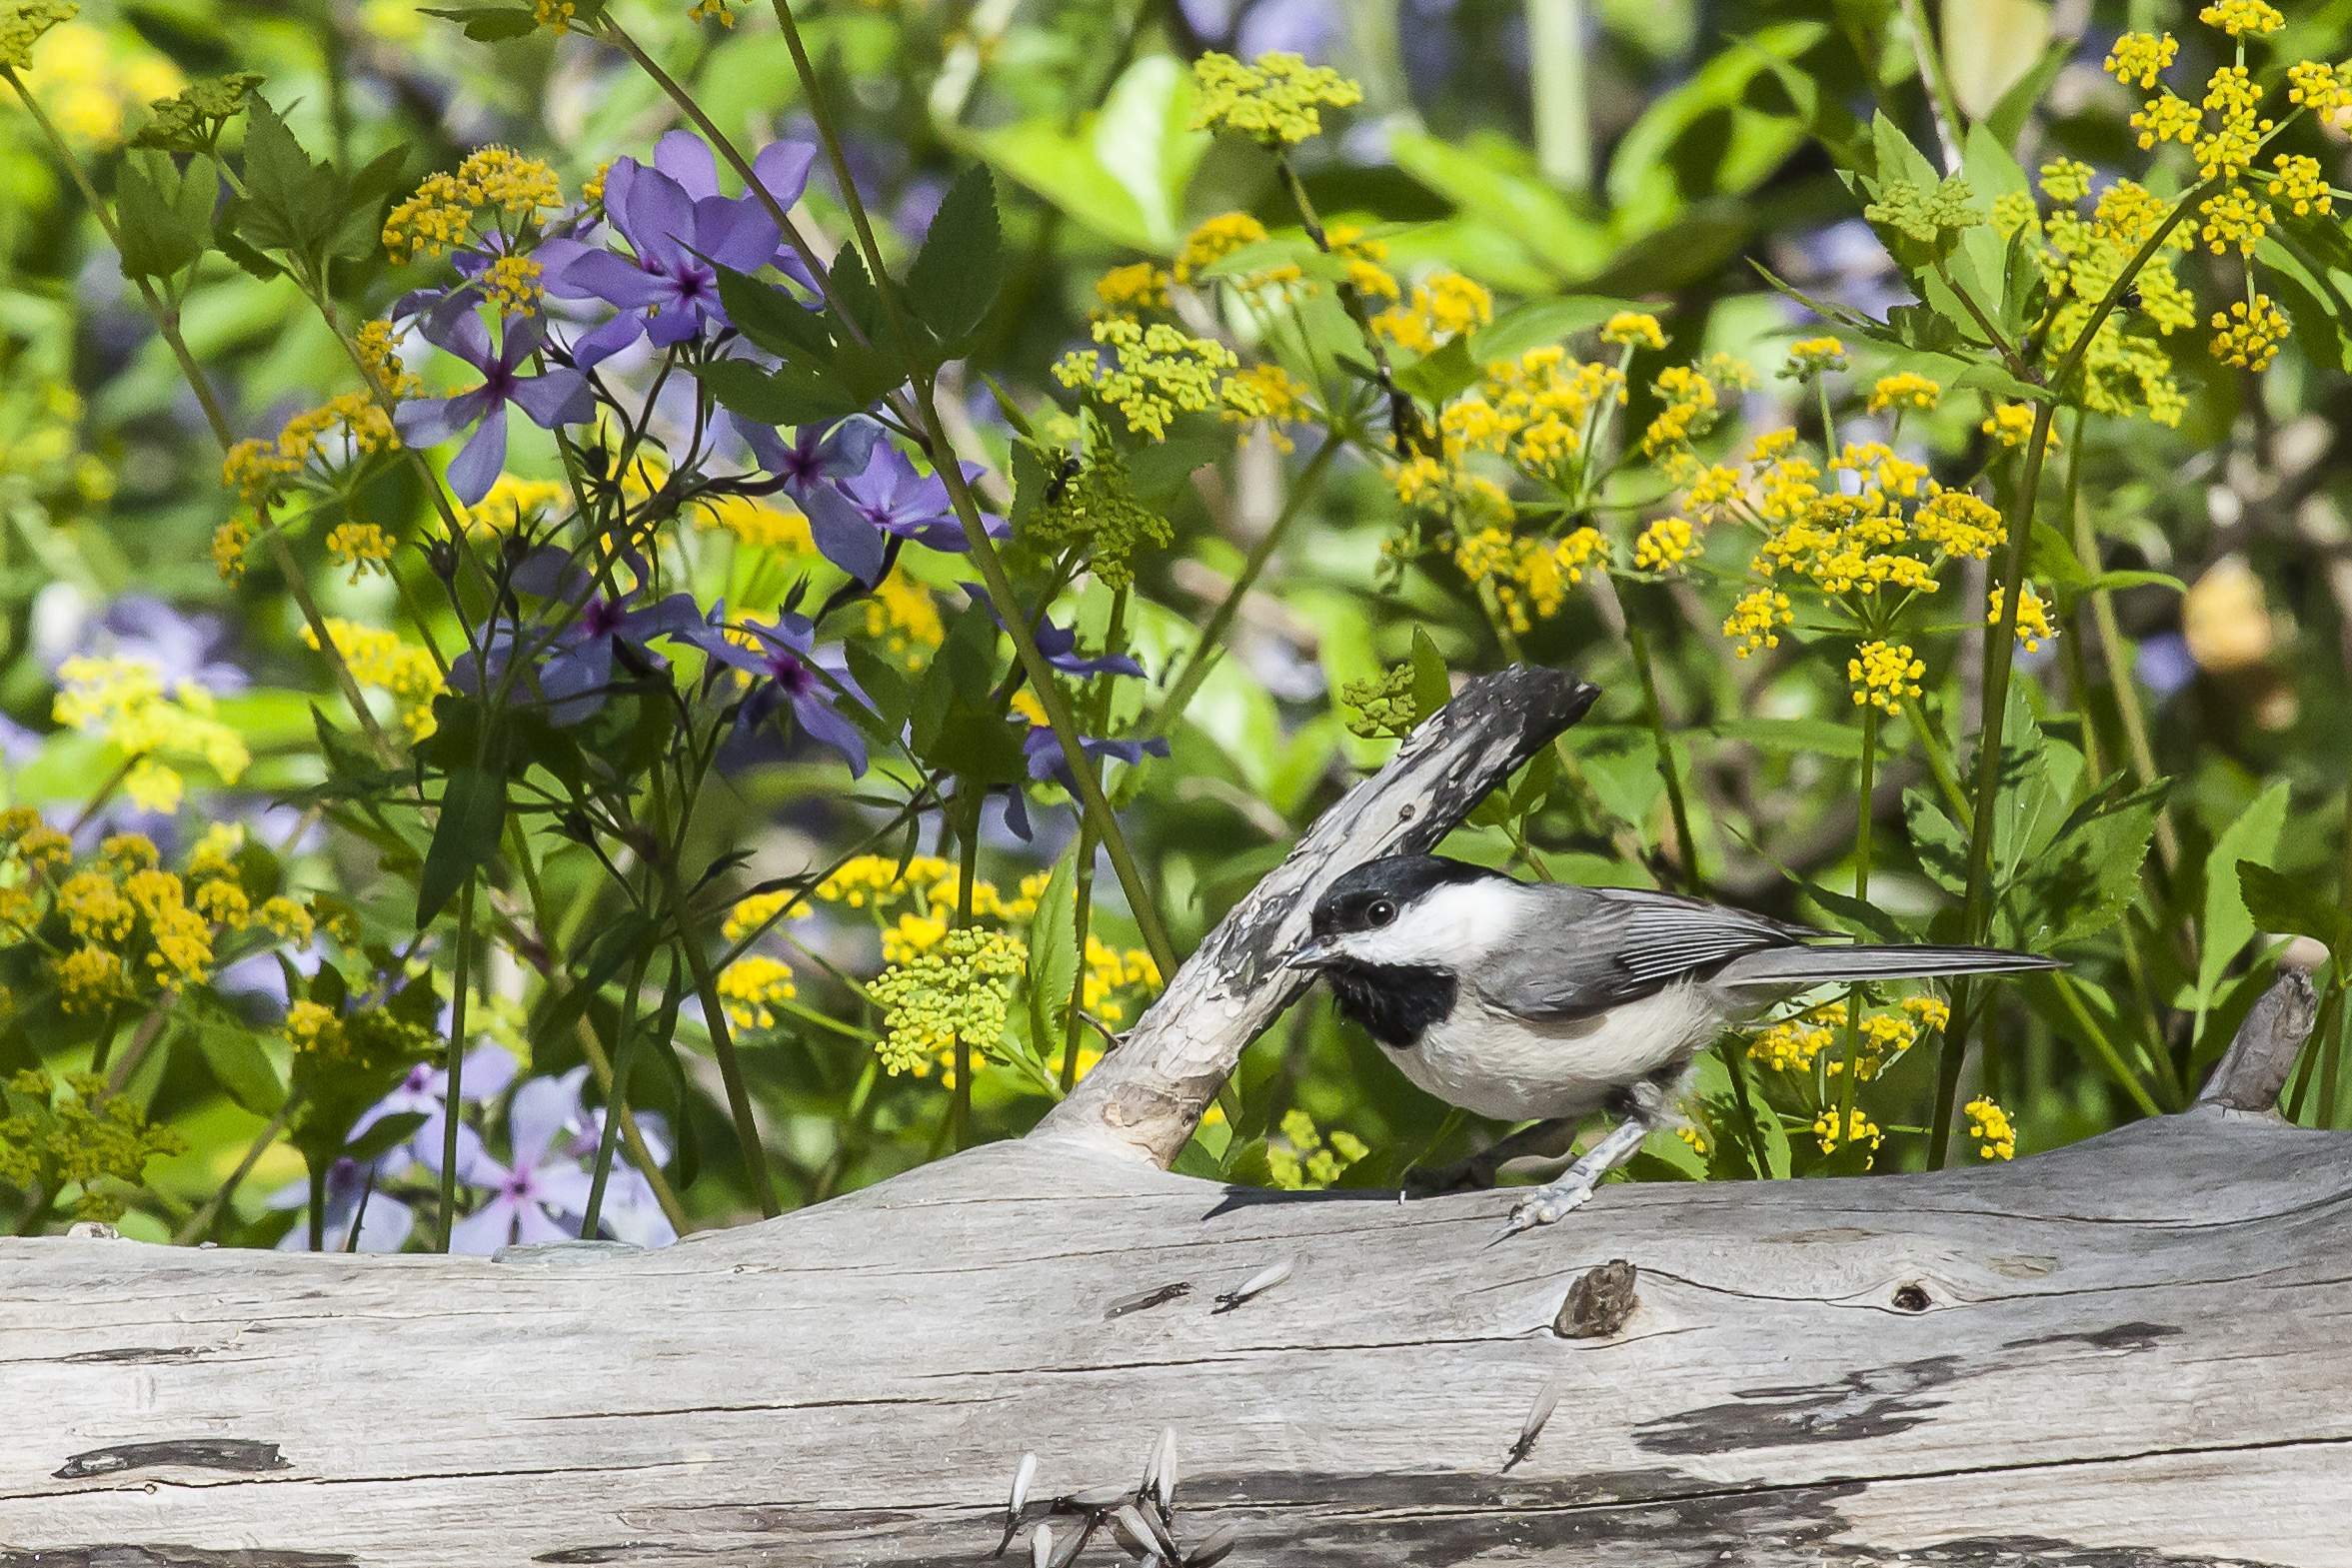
x,y
1380,912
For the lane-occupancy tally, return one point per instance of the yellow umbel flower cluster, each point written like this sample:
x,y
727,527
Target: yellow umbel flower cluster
x,y
1162,372
1633,329
1756,618
339,432
1445,306
1813,357
1691,403
496,182
2126,368
1859,1129
1132,288
1276,99
90,80
1990,1125
2249,333
752,988
1223,235
2033,616
77,1135
382,660
363,546
1905,392
2012,423
1529,576
1883,675
512,502
1666,544
23,23
959,989
125,702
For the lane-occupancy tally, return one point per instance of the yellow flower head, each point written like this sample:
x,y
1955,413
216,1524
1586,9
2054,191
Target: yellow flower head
x,y
1883,675
2033,616
752,988
2136,58
2012,423
2239,17
1215,240
1905,391
1810,357
1633,329
1990,1125
1276,99
1755,620
2248,335
1134,288
1666,544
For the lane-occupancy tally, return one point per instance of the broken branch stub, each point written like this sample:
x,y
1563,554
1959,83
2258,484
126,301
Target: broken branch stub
x,y
1149,1094
2254,1069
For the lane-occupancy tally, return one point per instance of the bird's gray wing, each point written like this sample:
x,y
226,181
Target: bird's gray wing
x,y
1593,948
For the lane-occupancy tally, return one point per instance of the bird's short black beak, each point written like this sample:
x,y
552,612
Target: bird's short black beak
x,y
1313,953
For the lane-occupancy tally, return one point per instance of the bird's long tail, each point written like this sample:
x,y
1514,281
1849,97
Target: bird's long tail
x,y
1784,967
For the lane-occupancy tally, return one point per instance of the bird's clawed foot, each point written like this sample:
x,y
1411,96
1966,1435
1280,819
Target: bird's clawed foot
x,y
1545,1205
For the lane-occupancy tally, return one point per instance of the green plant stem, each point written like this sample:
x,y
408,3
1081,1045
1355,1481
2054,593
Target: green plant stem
x,y
968,800
1686,846
1863,815
1144,909
1201,658
199,1224
2071,999
456,1065
705,988
1732,1055
624,1058
1999,651
1082,867
1404,425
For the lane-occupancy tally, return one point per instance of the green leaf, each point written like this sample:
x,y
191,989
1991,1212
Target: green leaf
x,y
290,202
2006,122
1145,141
2228,924
2087,876
772,318
240,1063
1432,688
472,814
1436,377
1053,956
961,266
1797,737
791,394
892,693
1989,47
2279,903
1937,842
164,216
1538,324
383,1135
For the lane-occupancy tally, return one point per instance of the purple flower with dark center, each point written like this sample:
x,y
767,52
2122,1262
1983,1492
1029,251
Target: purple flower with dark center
x,y
849,517
531,1199
787,670
817,454
630,1212
559,397
577,656
384,1227
1059,644
676,225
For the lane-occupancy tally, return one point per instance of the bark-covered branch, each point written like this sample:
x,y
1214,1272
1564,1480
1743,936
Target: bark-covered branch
x,y
1149,1094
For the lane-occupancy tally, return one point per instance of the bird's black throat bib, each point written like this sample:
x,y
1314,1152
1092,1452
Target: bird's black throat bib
x,y
1395,1002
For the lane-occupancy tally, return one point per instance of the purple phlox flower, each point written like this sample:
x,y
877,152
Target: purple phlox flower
x,y
425,1089
630,1212
786,668
1047,762
849,517
577,658
1059,644
676,225
817,454
384,1227
531,1198
559,397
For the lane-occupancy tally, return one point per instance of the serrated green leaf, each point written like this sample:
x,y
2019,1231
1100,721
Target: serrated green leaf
x,y
1053,956
1937,842
961,266
163,216
771,318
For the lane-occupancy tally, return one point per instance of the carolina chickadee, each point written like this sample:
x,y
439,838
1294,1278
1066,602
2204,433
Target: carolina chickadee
x,y
1523,1000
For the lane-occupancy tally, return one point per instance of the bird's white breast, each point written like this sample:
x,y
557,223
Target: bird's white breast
x,y
1498,1064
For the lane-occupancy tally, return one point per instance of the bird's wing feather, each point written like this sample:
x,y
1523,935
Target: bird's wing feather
x,y
1600,948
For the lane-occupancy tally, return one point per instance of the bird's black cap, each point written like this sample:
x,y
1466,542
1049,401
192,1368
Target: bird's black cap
x,y
1398,878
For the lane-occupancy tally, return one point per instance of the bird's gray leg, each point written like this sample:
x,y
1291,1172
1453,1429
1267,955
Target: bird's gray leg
x,y
1646,1110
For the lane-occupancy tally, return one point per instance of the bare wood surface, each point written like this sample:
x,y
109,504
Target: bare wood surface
x,y
2134,1351
2125,1354
1148,1095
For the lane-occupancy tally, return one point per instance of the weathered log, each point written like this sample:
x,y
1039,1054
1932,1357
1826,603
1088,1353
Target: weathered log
x,y
2131,1351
